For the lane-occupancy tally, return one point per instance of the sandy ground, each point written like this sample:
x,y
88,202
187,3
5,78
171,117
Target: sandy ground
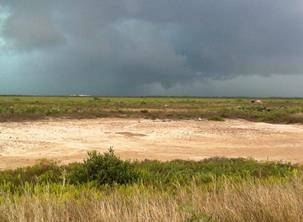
x,y
23,143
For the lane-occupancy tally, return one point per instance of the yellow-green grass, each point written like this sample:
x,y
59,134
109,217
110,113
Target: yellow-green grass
x,y
272,110
245,201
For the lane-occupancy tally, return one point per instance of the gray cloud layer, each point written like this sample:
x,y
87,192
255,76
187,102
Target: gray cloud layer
x,y
140,46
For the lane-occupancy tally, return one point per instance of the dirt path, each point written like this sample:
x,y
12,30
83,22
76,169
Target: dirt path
x,y
69,140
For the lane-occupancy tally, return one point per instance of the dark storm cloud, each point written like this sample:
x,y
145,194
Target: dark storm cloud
x,y
30,31
120,47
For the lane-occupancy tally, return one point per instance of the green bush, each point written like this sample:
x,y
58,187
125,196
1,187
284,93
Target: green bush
x,y
103,169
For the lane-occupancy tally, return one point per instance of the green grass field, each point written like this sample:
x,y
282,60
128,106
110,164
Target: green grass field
x,y
272,110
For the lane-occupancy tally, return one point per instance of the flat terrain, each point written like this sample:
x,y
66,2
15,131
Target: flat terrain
x,y
68,140
271,110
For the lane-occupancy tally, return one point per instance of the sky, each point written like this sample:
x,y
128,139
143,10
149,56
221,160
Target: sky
x,y
227,48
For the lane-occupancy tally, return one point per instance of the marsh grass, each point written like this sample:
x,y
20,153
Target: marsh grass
x,y
248,201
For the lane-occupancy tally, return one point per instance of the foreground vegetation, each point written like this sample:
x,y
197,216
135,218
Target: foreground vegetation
x,y
244,202
272,110
105,188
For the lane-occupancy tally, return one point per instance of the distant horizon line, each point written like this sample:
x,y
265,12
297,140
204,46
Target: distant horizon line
x,y
150,96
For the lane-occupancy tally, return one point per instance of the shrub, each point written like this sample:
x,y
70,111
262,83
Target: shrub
x,y
103,169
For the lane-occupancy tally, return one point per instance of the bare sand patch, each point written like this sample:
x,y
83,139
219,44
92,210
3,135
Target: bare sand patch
x,y
66,140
